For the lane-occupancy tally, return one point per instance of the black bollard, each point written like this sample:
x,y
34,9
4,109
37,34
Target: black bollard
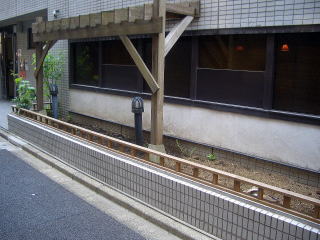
x,y
54,99
137,109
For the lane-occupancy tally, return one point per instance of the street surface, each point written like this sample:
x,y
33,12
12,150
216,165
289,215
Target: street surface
x,y
38,202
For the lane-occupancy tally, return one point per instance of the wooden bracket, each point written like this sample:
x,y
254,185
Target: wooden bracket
x,y
176,32
140,63
40,61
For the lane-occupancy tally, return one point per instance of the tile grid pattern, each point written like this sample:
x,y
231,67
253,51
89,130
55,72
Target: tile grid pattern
x,y
299,175
26,54
201,207
215,14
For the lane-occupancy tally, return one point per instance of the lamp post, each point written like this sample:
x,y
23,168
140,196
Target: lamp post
x,y
137,109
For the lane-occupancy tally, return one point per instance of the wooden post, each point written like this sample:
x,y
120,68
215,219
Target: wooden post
x,y
236,185
178,166
260,193
215,178
158,54
39,78
286,201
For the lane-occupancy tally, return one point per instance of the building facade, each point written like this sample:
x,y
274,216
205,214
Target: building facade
x,y
244,77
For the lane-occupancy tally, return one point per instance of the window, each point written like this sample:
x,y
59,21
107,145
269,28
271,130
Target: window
x,y
231,69
118,68
266,74
177,68
31,43
297,78
234,52
86,67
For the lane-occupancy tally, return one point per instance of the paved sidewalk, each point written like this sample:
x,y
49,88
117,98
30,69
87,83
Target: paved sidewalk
x,y
5,108
38,202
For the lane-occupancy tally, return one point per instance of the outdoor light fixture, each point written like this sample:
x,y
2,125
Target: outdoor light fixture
x,y
239,48
284,47
55,13
138,109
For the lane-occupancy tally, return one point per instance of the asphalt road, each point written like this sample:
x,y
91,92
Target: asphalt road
x,y
32,206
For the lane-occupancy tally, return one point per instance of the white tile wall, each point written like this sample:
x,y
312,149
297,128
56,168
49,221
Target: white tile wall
x,y
215,14
203,207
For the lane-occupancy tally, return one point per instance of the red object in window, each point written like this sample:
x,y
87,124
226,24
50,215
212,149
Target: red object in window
x,y
239,48
23,74
284,48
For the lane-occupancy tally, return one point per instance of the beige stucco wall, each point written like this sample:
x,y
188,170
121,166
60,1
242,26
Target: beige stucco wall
x,y
282,141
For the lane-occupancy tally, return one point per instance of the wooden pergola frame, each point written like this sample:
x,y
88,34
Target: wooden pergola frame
x,y
144,19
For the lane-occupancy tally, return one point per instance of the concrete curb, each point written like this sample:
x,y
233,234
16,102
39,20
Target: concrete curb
x,y
155,216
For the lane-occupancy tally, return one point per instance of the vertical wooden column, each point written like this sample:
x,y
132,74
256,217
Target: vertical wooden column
x,y
39,78
158,56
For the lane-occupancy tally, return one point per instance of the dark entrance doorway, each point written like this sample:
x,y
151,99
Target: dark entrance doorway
x,y
7,62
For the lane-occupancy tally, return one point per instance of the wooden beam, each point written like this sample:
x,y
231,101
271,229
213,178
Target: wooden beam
x,y
107,17
133,20
124,28
74,24
40,61
140,63
182,9
158,56
84,21
176,32
148,11
121,15
65,23
135,13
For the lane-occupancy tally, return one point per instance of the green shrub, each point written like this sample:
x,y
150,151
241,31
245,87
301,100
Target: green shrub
x,y
211,157
26,93
53,66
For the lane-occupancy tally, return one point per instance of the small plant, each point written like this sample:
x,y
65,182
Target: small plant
x,y
52,70
48,110
69,118
26,93
185,151
211,157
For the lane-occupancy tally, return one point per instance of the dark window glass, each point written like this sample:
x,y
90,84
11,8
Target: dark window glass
x,y
231,69
297,78
177,68
147,58
230,86
86,63
236,52
118,68
213,52
31,43
114,52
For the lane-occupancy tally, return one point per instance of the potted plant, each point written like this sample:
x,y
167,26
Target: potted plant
x,y
25,93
